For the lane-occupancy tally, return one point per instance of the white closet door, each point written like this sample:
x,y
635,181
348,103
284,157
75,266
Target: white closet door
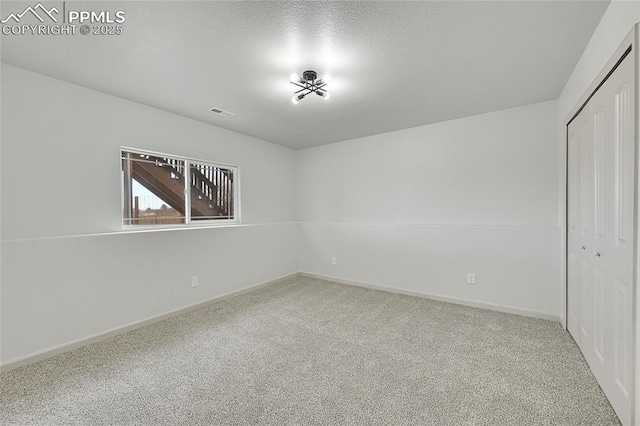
x,y
621,248
586,233
600,118
600,234
581,233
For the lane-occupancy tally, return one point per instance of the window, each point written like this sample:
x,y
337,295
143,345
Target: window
x,y
159,189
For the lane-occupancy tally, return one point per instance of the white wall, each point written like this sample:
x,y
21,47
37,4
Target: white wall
x,y
615,25
64,277
417,209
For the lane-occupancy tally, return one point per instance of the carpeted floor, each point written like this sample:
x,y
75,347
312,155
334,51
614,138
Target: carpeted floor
x,y
311,352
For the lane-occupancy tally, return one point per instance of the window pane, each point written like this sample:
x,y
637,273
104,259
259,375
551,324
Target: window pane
x,y
211,192
153,190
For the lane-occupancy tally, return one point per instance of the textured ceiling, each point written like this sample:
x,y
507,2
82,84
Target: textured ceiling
x,y
394,64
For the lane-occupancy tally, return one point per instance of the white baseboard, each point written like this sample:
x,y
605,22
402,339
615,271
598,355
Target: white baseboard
x,y
12,364
457,301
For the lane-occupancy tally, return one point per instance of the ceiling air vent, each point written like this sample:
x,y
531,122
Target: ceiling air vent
x,y
222,112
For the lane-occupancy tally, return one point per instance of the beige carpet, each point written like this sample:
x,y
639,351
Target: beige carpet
x,y
311,352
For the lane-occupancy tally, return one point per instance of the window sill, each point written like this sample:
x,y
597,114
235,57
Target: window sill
x,y
176,227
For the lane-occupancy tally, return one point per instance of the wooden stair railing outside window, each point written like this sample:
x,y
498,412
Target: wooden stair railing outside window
x,y
211,187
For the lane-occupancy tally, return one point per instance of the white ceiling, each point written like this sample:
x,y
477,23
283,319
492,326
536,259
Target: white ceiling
x,y
394,64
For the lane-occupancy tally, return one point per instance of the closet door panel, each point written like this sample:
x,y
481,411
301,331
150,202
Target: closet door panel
x,y
587,232
599,318
622,341
624,163
573,229
622,243
601,126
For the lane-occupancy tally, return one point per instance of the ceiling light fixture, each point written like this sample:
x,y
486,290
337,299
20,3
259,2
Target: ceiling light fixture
x,y
309,83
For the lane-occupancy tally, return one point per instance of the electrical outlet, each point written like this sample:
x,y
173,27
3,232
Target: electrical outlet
x,y
194,281
334,261
471,278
